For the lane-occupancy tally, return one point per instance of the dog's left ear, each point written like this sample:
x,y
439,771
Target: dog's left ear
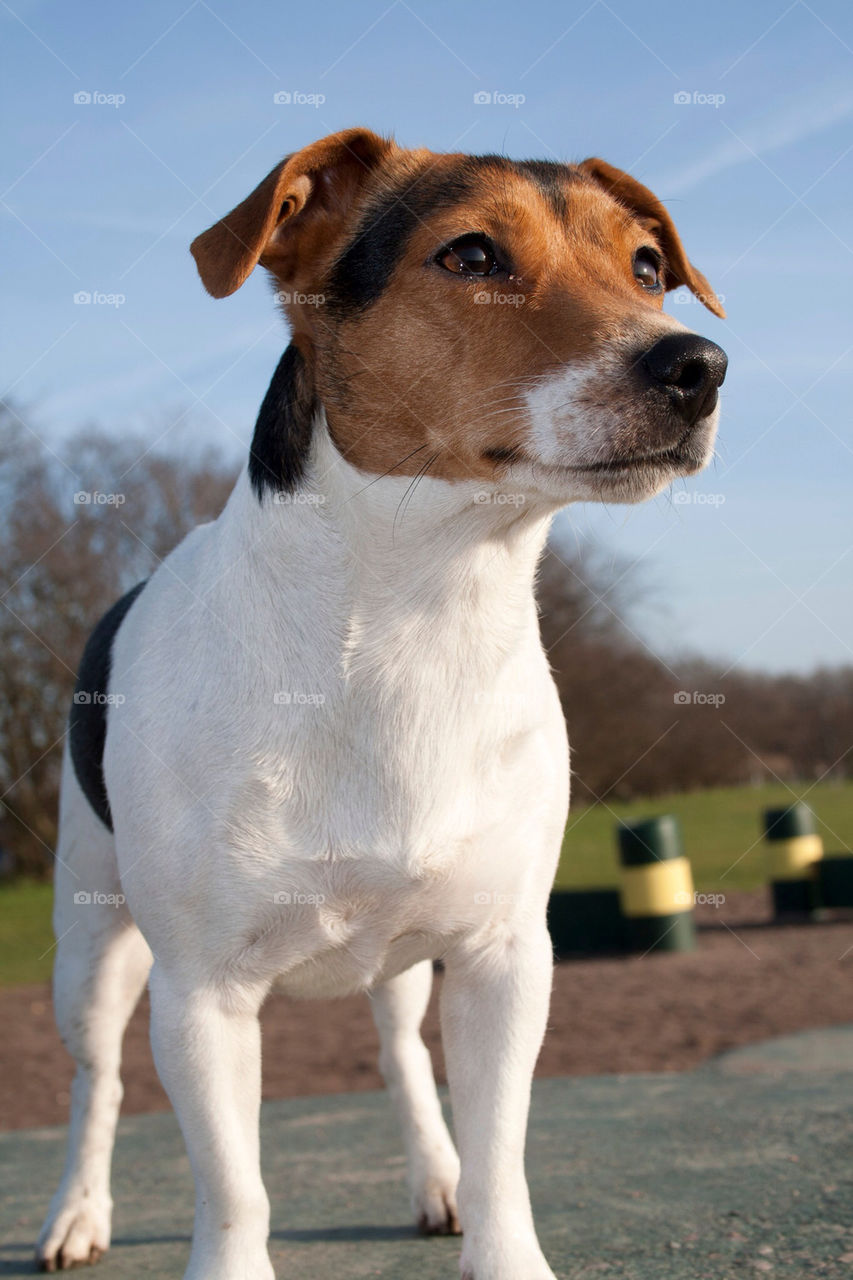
x,y
295,217
645,205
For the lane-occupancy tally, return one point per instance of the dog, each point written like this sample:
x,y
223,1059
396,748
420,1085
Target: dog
x,y
321,748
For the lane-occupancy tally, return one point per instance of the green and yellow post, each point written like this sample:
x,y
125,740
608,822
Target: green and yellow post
x,y
794,850
657,886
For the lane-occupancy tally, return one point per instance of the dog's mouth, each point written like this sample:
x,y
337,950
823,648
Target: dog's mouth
x,y
679,457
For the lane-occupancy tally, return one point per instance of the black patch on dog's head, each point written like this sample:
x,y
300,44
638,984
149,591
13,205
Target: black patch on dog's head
x,y
362,272
282,440
550,177
87,723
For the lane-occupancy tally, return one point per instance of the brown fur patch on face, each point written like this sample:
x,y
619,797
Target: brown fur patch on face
x,y
433,371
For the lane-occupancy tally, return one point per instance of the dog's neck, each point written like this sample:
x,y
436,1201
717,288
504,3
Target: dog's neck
x,y
418,566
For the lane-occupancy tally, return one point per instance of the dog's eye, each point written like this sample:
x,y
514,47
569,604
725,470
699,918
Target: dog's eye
x,y
471,255
647,268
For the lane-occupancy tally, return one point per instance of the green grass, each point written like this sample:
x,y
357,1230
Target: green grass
x,y
721,836
721,829
26,935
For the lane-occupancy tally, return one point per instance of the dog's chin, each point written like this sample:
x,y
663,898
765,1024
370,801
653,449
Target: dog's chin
x,y
633,477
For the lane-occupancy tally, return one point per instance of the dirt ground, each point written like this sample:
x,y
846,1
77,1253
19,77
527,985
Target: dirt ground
x,y
748,980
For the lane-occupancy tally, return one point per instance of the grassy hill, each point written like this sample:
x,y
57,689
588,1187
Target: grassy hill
x,y
721,828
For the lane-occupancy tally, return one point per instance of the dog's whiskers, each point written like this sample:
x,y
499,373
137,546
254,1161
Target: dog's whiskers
x,y
385,473
406,499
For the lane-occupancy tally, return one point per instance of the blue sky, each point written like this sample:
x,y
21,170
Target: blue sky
x,y
751,562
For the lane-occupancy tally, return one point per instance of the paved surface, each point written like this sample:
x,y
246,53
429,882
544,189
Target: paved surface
x,y
741,1168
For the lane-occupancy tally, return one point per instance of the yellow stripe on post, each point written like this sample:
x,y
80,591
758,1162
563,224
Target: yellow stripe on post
x,y
657,888
794,858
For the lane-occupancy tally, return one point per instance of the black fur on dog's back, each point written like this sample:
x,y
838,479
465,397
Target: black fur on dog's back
x,y
87,725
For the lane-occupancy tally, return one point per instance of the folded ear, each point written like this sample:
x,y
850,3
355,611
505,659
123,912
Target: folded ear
x,y
296,214
645,205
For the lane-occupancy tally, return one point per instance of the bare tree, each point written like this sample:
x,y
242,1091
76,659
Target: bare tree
x,y
71,542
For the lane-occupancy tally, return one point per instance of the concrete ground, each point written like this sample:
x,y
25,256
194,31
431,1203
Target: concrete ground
x,y
741,1168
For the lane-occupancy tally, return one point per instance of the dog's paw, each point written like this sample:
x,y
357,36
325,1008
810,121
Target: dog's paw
x,y
77,1233
435,1208
433,1184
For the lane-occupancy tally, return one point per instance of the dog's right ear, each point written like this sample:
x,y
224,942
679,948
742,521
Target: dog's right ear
x,y
296,215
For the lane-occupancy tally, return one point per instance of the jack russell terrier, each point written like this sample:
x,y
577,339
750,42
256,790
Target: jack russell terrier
x,y
338,754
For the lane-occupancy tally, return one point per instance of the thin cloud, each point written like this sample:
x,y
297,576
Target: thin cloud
x,y
772,133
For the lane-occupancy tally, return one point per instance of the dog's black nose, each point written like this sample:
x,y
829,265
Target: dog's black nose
x,y
689,369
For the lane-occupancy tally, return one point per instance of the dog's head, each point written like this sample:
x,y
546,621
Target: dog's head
x,y
491,319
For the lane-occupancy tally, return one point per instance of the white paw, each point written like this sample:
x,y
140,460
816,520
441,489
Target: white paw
x,y
76,1232
434,1203
433,1178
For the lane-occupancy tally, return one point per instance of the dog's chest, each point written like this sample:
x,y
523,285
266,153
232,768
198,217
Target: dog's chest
x,y
360,922
375,863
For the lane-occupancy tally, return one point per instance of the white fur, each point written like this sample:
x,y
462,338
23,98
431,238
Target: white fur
x,y
405,800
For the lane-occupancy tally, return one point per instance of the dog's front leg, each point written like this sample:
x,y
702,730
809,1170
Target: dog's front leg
x,y
207,1049
494,1007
